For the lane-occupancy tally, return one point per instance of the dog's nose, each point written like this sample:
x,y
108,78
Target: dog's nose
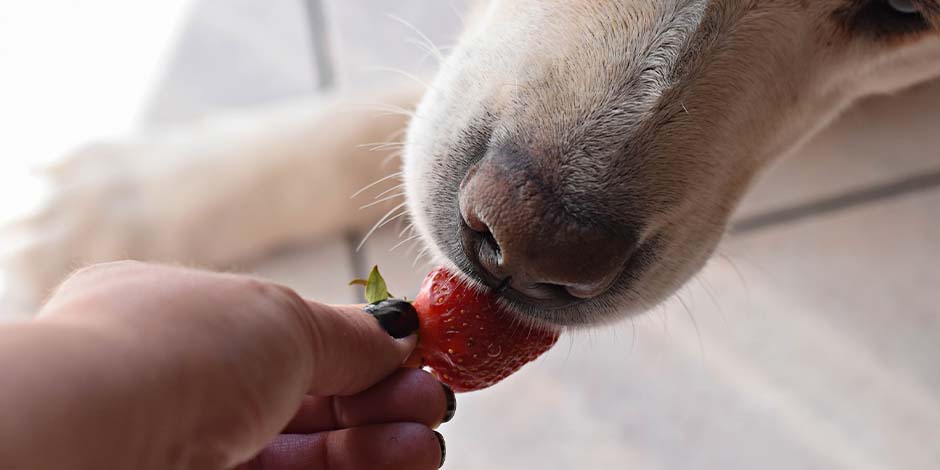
x,y
519,232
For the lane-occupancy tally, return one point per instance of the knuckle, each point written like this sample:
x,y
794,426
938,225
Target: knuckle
x,y
283,297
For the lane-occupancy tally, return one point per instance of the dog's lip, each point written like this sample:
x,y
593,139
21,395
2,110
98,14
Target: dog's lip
x,y
502,287
556,297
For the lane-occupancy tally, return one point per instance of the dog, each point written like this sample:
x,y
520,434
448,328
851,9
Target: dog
x,y
580,157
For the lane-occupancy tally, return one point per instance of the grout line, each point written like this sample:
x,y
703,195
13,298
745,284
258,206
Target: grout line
x,y
326,81
320,44
890,190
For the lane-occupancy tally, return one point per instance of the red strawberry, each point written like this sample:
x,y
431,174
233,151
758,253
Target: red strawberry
x,y
467,339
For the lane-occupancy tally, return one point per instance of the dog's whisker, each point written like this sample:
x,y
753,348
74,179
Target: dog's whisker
x,y
394,137
403,73
390,110
570,338
698,332
402,222
415,248
664,314
389,190
377,146
388,217
410,226
424,251
399,244
391,157
734,266
707,288
375,183
428,52
437,53
633,343
396,217
459,14
411,249
379,201
386,113
394,111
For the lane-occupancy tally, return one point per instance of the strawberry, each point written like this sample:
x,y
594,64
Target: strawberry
x,y
465,337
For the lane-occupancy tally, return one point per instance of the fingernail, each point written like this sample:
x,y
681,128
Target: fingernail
x,y
451,403
397,317
440,440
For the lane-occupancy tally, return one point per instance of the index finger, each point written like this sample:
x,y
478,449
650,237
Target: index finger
x,y
351,350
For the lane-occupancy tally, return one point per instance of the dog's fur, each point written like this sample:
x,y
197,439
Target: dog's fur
x,y
666,109
662,111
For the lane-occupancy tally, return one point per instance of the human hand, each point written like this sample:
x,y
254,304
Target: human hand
x,y
148,367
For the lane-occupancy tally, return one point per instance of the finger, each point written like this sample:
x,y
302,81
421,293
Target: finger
x,y
401,446
409,395
351,351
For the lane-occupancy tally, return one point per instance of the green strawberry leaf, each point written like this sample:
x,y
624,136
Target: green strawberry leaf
x,y
376,289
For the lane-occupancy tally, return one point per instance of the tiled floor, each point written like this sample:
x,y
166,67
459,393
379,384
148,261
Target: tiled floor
x,y
815,339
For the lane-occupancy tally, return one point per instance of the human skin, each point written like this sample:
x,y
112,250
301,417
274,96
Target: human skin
x,y
136,366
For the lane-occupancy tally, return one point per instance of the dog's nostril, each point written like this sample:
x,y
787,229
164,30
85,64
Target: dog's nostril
x,y
492,245
483,250
529,277
511,227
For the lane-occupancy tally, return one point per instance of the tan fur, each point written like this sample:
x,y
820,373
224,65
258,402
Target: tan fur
x,y
224,191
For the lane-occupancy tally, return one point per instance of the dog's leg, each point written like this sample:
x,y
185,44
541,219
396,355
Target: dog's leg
x,y
211,194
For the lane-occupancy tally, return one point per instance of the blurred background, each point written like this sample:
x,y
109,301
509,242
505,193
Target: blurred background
x,y
812,341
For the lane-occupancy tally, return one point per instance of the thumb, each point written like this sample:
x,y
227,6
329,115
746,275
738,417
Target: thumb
x,y
351,349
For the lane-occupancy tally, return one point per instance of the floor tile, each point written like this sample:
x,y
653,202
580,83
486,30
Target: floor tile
x,y
234,54
882,139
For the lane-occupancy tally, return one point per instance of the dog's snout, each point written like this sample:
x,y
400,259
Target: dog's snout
x,y
519,235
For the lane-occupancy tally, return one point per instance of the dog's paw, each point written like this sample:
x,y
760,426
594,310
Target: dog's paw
x,y
85,216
